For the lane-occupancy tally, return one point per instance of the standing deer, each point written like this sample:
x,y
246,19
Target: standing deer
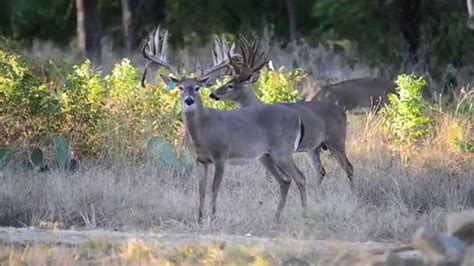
x,y
268,134
357,93
325,123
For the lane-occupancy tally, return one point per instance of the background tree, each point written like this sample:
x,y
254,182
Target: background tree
x,y
292,20
6,9
88,29
129,24
470,12
409,17
397,31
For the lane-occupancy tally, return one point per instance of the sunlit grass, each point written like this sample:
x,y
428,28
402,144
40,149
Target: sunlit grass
x,y
136,252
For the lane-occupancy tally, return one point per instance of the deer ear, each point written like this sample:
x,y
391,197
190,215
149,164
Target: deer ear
x,y
169,81
254,77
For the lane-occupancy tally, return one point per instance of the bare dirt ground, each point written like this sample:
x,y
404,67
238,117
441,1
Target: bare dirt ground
x,y
21,237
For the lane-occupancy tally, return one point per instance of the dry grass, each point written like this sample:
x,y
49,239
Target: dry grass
x,y
134,252
389,202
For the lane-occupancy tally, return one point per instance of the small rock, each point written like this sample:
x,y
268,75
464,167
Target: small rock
x,y
461,225
437,247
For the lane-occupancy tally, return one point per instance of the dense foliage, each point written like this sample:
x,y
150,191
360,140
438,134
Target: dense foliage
x,y
406,115
102,116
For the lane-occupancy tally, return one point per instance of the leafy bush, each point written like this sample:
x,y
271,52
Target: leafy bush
x,y
278,86
83,98
29,111
109,116
405,116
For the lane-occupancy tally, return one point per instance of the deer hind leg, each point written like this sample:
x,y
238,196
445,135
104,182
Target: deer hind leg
x,y
341,157
218,175
284,183
287,166
314,159
201,173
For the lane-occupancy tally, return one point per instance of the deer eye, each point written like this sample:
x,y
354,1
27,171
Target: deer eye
x,y
230,87
196,88
180,88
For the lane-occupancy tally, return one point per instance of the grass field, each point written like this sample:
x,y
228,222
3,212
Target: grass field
x,y
397,190
391,199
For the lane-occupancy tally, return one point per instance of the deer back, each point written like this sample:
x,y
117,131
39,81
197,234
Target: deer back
x,y
357,93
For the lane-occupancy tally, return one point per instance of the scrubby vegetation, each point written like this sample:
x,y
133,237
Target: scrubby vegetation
x,y
113,127
109,116
84,146
115,160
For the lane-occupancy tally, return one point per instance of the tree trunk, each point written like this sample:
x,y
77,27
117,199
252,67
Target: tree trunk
x,y
129,25
292,20
409,21
470,11
6,10
88,29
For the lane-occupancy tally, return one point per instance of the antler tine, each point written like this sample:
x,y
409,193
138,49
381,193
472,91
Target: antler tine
x,y
221,56
246,53
158,45
254,58
217,52
255,47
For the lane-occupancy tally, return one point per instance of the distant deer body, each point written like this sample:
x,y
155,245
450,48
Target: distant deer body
x,y
357,93
325,123
268,134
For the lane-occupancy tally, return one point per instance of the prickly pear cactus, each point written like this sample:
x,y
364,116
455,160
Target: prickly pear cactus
x,y
61,147
161,151
5,157
37,158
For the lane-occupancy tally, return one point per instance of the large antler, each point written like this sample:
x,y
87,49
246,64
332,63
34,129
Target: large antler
x,y
253,58
154,51
220,56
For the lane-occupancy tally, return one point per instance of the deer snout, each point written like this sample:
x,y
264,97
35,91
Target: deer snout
x,y
189,101
214,96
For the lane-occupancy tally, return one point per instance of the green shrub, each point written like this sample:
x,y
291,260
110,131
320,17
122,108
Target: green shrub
x,y
83,98
406,115
278,86
103,116
30,112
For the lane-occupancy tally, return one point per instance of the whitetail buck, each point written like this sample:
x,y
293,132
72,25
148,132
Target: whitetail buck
x,y
470,11
365,93
325,123
268,134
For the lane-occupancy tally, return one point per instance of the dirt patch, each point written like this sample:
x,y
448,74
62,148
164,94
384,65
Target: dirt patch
x,y
288,248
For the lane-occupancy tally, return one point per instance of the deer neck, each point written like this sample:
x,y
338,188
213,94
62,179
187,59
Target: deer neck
x,y
196,120
247,98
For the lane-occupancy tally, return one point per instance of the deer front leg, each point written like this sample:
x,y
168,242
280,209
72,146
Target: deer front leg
x,y
201,171
218,175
